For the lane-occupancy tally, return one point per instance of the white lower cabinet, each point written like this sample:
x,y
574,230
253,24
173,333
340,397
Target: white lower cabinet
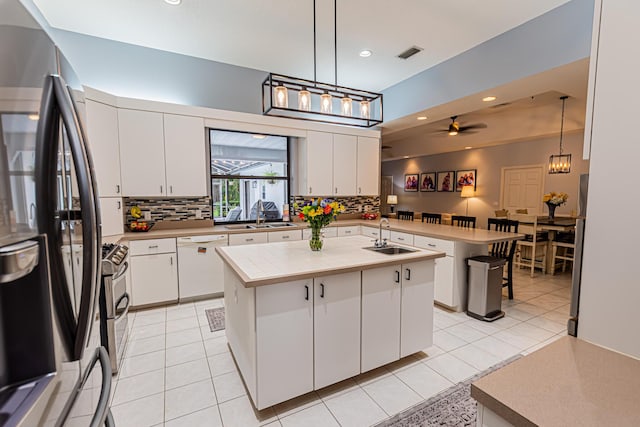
x,y
247,238
284,333
416,332
444,286
154,271
381,294
349,231
336,328
327,232
284,236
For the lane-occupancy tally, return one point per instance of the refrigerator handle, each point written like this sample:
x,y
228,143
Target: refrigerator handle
x,y
102,412
56,103
576,278
89,214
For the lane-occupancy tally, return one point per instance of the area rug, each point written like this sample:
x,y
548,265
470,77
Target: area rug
x,y
451,407
215,316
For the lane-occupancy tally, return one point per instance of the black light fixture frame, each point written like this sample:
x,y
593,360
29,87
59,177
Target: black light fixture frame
x,y
297,84
314,87
562,159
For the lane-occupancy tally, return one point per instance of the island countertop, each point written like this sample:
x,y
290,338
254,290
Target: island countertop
x,y
258,265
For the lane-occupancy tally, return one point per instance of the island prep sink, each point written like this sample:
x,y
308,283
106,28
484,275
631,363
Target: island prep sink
x,y
255,226
390,250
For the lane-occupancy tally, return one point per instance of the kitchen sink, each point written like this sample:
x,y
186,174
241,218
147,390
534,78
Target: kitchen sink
x,y
391,250
256,226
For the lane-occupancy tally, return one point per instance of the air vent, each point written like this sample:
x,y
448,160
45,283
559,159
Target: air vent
x,y
410,52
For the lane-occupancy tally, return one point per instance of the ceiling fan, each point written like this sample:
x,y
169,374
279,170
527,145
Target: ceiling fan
x,y
455,128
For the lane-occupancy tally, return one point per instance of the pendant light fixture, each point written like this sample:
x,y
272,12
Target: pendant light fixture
x,y
315,99
560,163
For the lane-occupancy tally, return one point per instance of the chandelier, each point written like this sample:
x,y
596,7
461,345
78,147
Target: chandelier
x,y
560,163
297,98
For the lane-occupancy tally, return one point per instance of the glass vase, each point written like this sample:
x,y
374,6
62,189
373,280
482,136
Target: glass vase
x,y
315,243
552,210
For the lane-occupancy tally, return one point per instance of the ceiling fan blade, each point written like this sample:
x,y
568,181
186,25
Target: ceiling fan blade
x,y
473,126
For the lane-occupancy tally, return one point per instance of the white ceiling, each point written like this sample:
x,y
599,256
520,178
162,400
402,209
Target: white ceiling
x,y
277,35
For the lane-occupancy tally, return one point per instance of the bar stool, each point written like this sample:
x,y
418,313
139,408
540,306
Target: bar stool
x,y
407,215
463,221
432,218
565,242
504,250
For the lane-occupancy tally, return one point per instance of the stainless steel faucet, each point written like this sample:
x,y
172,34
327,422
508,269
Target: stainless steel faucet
x,y
260,211
380,242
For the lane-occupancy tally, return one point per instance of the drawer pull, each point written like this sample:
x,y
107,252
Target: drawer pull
x,y
285,237
431,245
347,232
401,239
153,247
249,239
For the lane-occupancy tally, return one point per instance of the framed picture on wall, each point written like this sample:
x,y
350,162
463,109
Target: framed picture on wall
x,y
446,181
466,177
411,182
428,181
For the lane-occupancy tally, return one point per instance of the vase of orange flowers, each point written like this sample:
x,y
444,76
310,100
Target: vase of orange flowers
x,y
318,213
553,200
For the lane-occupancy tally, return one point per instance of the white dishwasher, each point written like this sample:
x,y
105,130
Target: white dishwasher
x,y
199,266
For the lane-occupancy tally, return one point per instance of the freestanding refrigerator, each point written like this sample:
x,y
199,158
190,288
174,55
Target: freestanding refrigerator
x,y
53,371
572,324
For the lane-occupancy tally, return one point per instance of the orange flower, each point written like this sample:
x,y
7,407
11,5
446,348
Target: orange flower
x,y
301,215
327,210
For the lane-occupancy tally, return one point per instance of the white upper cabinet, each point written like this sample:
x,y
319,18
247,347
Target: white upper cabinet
x,y
162,154
111,215
345,153
368,166
141,153
186,155
102,133
316,164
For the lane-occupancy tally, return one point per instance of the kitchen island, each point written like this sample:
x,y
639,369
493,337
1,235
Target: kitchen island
x,y
298,320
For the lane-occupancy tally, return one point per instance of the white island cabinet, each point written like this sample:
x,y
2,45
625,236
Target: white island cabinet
x,y
298,320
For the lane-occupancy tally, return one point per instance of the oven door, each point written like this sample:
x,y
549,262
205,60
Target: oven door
x,y
116,326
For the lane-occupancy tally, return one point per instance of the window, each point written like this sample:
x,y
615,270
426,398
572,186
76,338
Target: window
x,y
246,168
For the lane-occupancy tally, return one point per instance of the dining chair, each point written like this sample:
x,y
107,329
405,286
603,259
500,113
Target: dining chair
x,y
463,221
432,218
407,215
531,252
504,250
563,249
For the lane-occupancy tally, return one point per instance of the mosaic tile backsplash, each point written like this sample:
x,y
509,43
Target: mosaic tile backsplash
x,y
165,209
353,205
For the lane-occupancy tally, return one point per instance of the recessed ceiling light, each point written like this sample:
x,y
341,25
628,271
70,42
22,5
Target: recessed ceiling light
x,y
259,136
468,148
365,53
406,157
173,2
33,117
489,98
421,117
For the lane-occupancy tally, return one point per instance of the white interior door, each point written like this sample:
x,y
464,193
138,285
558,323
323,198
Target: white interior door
x,y
521,188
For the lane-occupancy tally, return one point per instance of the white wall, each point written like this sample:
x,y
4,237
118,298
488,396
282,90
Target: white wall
x,y
489,163
610,292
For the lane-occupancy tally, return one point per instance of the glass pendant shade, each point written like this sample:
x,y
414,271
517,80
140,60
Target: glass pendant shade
x,y
304,100
281,97
365,112
326,103
560,163
347,106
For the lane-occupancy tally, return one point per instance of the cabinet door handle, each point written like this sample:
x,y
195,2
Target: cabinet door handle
x,y
397,277
407,273
117,189
153,246
119,205
171,189
310,190
359,190
336,190
171,260
321,290
306,290
161,189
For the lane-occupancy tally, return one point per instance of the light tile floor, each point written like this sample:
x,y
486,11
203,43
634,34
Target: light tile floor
x,y
178,373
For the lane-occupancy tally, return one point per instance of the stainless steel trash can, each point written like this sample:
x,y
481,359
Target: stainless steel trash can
x,y
485,287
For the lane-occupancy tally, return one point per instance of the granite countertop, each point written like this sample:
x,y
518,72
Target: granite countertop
x,y
568,382
447,232
258,265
